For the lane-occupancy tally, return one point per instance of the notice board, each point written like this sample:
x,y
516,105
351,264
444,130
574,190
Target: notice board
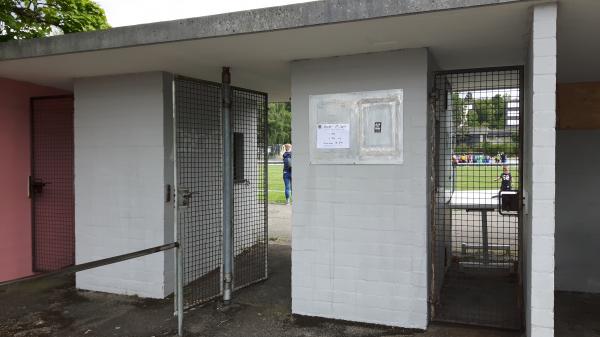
x,y
357,127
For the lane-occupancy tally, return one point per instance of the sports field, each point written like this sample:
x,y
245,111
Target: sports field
x,y
276,189
475,177
481,177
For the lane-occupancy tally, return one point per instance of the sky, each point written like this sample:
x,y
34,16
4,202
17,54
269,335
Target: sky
x,y
132,12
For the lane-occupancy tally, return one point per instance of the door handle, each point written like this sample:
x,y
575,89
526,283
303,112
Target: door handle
x,y
184,196
36,186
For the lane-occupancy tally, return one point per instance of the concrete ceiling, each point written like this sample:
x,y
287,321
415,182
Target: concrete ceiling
x,y
466,38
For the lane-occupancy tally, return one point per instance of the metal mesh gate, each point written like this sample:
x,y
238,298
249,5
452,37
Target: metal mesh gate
x,y
200,183
51,183
249,111
199,159
476,233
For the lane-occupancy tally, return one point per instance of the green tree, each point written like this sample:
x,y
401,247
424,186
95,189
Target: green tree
x,y
479,112
491,112
26,19
280,123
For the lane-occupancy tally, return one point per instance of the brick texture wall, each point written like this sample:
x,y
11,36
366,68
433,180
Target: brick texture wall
x,y
119,182
359,249
540,165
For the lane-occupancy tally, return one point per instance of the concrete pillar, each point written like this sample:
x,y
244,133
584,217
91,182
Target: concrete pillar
x,y
360,231
540,173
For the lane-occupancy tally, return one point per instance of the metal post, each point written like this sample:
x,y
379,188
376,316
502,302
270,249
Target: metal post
x,y
265,120
179,286
227,187
177,228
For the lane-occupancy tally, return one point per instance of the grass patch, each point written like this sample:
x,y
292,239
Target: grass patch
x,y
481,177
276,186
476,177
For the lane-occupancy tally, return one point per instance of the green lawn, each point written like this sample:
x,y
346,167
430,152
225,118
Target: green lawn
x,y
276,188
467,178
482,177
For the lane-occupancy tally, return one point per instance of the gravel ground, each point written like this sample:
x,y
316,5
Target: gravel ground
x,y
53,307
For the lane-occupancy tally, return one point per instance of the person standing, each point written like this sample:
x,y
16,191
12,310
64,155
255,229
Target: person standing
x,y
503,157
287,172
506,178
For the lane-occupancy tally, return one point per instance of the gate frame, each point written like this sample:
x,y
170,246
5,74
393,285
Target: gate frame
x,y
265,187
179,304
432,162
31,171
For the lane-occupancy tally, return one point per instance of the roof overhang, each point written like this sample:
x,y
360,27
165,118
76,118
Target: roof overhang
x,y
245,22
260,44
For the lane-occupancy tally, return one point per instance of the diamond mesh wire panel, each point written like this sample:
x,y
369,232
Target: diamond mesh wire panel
x,y
476,249
249,111
52,188
199,153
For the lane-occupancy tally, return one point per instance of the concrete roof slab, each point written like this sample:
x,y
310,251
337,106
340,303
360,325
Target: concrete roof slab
x,y
244,22
454,38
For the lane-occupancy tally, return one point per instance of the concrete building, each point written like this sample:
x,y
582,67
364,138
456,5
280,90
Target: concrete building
x,y
372,240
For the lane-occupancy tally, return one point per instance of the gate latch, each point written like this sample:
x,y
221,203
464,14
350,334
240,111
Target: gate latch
x,y
183,197
36,186
509,202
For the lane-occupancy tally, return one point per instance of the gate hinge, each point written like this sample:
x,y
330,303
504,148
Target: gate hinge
x,y
433,96
168,193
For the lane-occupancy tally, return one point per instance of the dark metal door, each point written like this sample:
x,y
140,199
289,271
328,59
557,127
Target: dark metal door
x,y
199,179
476,233
51,183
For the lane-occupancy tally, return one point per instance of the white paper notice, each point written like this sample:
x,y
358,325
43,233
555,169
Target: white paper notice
x,y
333,136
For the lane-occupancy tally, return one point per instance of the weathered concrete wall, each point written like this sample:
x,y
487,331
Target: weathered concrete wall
x,y
359,251
15,168
577,205
119,181
539,176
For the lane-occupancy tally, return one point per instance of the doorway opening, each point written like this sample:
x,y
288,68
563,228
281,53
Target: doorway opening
x,y
280,137
476,250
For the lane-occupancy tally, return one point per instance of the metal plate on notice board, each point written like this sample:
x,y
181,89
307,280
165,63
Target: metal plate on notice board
x,y
357,128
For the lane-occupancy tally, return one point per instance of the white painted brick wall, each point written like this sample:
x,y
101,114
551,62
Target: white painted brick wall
x,y
540,220
359,251
119,181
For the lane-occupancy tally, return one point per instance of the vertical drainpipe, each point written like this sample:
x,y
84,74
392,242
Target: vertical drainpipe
x,y
227,187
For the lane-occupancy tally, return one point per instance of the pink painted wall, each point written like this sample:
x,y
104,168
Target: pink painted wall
x,y
15,167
